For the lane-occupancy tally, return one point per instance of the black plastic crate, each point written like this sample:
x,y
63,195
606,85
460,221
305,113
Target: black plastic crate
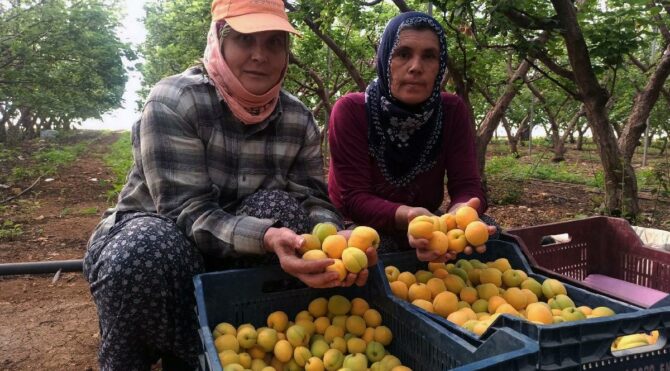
x,y
240,296
578,345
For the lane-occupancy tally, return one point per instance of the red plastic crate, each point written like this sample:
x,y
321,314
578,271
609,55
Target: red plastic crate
x,y
602,246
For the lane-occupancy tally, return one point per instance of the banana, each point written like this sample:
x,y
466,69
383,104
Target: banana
x,y
634,344
634,338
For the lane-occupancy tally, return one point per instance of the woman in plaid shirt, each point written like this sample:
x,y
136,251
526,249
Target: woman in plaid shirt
x,y
227,173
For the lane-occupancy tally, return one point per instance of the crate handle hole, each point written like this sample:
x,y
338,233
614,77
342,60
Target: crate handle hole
x,y
555,239
657,343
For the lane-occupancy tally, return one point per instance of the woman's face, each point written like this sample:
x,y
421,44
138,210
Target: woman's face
x,y
256,59
414,66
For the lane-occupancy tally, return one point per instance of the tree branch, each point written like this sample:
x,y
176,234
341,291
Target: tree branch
x,y
558,83
321,87
341,54
371,3
402,5
644,102
527,21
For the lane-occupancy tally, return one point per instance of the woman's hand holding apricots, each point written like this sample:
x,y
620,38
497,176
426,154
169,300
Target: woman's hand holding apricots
x,y
466,213
285,244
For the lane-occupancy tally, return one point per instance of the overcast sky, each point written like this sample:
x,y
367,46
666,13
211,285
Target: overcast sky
x,y
132,31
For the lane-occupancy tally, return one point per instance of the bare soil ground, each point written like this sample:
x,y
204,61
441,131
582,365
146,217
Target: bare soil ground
x,y
46,325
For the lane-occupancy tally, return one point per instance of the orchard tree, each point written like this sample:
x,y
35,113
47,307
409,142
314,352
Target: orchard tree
x,y
596,42
60,63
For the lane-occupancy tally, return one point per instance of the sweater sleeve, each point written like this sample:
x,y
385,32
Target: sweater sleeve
x,y
351,167
463,181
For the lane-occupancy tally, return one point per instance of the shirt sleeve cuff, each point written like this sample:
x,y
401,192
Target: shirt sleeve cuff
x,y
248,235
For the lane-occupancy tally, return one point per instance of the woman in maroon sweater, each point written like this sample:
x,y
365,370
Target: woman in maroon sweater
x,y
392,146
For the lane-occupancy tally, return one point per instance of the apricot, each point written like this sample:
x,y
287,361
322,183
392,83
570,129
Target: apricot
x,y
458,318
359,306
407,278
491,275
354,259
363,237
311,242
439,243
334,245
516,298
323,230
477,233
318,307
436,286
399,289
339,305
457,240
339,268
421,227
469,294
424,304
314,255
418,291
283,351
372,317
454,283
494,302
447,222
465,215
445,303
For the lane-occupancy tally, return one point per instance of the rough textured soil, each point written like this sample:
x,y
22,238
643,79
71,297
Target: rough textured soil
x,y
46,325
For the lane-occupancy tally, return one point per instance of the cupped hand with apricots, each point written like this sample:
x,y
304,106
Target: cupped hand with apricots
x,y
286,244
442,238
467,219
348,253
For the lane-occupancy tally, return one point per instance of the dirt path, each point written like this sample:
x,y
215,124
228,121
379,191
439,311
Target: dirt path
x,y
45,325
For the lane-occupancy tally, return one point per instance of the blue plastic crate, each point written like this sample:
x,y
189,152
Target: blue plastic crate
x,y
581,344
241,296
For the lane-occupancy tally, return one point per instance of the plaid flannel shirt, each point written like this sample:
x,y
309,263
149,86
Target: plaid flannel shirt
x,y
194,162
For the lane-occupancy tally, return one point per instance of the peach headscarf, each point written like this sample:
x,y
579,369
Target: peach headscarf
x,y
247,107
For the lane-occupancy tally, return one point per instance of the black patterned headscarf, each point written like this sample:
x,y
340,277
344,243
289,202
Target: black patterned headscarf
x,y
405,141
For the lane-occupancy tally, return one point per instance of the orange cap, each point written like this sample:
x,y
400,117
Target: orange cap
x,y
248,16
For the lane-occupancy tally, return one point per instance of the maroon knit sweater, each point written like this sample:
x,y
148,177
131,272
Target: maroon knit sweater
x,y
357,187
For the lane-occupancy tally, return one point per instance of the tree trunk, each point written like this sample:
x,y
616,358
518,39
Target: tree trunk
x,y
644,102
559,150
580,139
664,146
553,131
3,132
620,182
495,114
512,140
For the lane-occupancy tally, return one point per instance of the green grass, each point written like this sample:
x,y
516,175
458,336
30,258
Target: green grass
x,y
47,161
120,160
510,168
10,230
89,211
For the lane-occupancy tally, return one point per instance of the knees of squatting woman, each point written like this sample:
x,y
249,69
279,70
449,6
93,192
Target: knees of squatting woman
x,y
392,146
227,173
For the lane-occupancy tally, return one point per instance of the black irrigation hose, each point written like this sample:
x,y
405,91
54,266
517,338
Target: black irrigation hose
x,y
41,267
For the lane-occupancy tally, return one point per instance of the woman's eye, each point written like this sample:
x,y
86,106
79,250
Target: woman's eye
x,y
402,54
276,42
245,38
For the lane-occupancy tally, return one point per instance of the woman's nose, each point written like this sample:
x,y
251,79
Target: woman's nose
x,y
258,53
415,65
